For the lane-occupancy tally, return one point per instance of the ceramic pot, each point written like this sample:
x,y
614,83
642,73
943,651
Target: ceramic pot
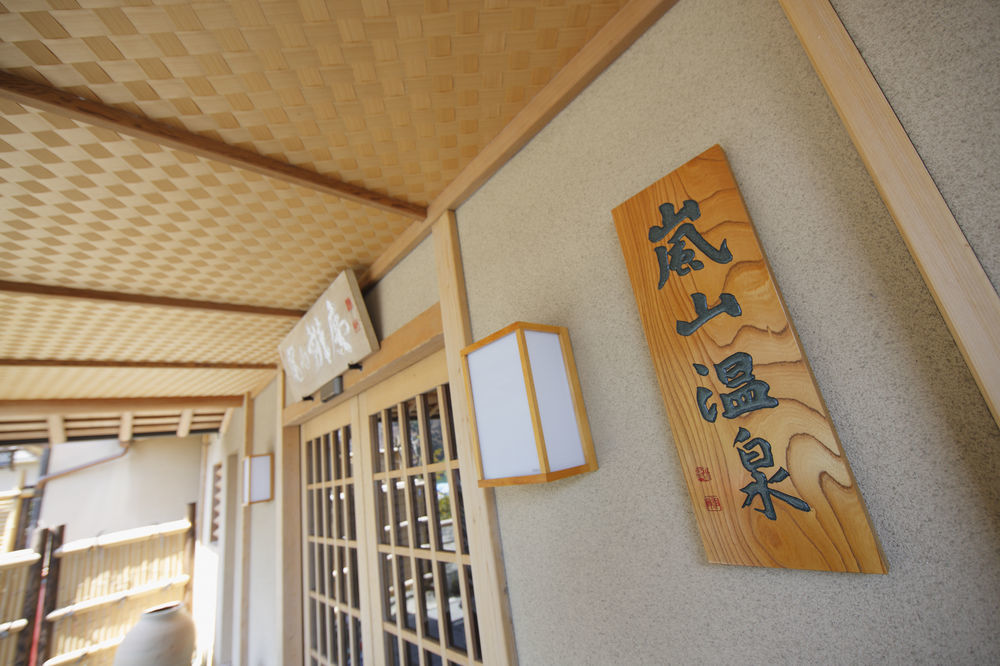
x,y
163,636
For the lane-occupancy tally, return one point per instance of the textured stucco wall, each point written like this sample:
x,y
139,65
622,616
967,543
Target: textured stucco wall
x,y
608,567
406,291
937,63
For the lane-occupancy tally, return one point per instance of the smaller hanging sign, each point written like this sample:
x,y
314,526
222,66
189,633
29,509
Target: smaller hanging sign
x,y
768,477
335,332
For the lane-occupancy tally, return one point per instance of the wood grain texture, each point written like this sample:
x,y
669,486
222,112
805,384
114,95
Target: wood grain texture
x,y
611,41
114,405
833,532
88,111
960,287
495,625
141,299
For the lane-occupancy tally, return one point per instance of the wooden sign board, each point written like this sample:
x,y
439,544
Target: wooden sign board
x,y
768,477
335,332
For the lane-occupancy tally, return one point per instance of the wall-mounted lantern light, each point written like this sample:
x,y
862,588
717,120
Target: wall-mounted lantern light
x,y
528,417
258,478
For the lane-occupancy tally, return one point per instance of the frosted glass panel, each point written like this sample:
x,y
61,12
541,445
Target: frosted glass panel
x,y
503,419
555,402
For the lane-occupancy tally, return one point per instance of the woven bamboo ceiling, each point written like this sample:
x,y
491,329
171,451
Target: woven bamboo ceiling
x,y
180,180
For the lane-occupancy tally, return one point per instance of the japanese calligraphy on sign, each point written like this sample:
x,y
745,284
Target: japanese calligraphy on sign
x,y
768,477
334,333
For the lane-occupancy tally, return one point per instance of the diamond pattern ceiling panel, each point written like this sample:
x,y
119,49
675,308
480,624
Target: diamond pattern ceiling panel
x,y
87,207
43,327
393,95
33,383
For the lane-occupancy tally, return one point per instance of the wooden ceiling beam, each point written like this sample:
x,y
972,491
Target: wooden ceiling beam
x,y
114,405
141,299
78,108
76,363
608,43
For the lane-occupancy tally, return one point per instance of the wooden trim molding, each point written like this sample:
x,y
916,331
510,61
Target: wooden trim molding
x,y
140,299
78,363
88,111
610,42
288,518
960,287
114,405
243,635
495,627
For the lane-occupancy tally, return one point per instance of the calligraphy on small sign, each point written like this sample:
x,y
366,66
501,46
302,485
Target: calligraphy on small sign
x,y
747,404
334,333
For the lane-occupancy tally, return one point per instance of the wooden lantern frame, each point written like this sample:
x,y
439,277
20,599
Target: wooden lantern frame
x,y
573,379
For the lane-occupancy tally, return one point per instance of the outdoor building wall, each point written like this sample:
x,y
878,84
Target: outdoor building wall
x,y
153,483
932,61
406,291
608,567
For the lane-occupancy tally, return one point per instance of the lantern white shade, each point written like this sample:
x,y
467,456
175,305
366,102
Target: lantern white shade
x,y
529,422
258,478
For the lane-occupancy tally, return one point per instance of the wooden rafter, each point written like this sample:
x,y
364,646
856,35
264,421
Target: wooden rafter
x,y
184,422
76,363
227,418
125,427
114,405
88,111
141,299
57,429
610,42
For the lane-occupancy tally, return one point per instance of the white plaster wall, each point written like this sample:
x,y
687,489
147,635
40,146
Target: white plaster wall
x,y
153,483
9,478
608,568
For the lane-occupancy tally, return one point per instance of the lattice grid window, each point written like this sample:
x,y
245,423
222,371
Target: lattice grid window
x,y
425,576
331,557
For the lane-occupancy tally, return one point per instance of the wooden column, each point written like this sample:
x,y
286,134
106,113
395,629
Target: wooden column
x,y
189,540
289,561
496,631
245,534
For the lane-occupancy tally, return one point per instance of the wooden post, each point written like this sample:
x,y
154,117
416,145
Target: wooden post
x,y
244,596
189,539
50,591
40,542
495,627
289,560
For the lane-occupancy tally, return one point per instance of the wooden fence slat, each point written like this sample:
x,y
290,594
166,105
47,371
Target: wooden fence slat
x,y
30,605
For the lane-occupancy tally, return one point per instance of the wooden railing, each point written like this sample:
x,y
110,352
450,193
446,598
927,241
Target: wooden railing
x,y
97,589
18,578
